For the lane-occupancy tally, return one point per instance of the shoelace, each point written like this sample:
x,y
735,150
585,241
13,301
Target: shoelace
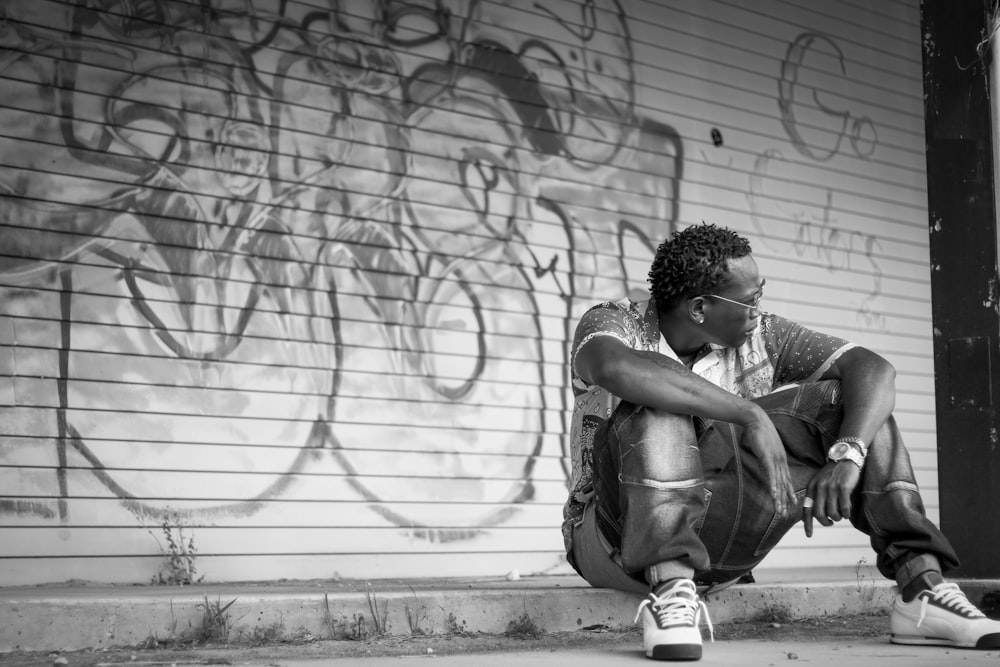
x,y
952,597
677,609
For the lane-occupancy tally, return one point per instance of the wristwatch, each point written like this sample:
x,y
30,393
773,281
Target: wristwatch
x,y
845,451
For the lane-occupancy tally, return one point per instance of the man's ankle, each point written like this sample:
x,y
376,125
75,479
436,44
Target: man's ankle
x,y
662,575
924,581
661,587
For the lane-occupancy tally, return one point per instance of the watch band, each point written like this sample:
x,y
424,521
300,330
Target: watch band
x,y
855,457
844,449
861,445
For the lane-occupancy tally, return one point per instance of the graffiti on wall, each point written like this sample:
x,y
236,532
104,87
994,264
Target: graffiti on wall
x,y
252,236
819,126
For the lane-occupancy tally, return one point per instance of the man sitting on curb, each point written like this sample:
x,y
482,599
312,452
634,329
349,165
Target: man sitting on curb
x,y
704,428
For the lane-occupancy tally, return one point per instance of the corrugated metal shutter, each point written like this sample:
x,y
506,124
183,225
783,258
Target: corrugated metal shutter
x,y
297,278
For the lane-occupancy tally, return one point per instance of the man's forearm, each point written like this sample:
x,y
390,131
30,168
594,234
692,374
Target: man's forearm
x,y
657,381
868,385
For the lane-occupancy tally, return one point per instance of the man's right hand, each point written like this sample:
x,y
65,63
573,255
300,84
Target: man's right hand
x,y
762,439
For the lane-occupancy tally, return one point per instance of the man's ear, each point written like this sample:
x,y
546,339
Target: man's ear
x,y
696,309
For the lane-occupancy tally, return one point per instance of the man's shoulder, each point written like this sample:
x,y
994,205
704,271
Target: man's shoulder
x,y
767,338
625,305
773,320
622,310
778,327
625,319
775,327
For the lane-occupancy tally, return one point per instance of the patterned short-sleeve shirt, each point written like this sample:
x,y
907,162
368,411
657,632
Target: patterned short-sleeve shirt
x,y
779,352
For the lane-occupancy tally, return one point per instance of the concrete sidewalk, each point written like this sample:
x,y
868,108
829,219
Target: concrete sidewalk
x,y
862,653
63,618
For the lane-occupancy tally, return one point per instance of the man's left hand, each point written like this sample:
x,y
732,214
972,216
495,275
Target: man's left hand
x,y
830,491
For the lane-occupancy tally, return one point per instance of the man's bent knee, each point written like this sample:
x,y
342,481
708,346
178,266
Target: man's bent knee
x,y
654,446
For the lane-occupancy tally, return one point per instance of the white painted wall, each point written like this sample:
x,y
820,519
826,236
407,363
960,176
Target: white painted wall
x,y
302,284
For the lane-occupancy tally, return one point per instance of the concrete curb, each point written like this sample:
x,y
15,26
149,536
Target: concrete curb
x,y
70,618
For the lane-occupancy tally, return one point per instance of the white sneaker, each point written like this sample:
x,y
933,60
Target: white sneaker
x,y
670,626
942,616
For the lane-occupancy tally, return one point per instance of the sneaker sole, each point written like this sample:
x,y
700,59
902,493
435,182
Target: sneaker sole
x,y
920,640
675,652
991,641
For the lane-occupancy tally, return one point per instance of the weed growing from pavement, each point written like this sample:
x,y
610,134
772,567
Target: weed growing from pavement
x,y
271,633
380,618
216,623
338,628
215,627
180,554
524,627
359,626
866,583
414,619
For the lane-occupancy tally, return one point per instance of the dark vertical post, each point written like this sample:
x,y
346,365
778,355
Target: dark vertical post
x,y
963,248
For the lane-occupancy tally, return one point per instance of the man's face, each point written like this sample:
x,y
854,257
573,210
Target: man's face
x,y
732,312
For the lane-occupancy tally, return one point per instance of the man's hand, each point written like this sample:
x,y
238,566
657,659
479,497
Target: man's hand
x,y
830,491
762,439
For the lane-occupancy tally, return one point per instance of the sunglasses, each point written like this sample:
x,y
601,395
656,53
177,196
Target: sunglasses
x,y
753,307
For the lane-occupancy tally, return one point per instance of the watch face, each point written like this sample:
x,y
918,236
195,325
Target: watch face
x,y
839,451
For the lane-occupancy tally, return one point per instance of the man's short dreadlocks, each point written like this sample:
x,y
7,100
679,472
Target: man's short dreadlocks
x,y
693,262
